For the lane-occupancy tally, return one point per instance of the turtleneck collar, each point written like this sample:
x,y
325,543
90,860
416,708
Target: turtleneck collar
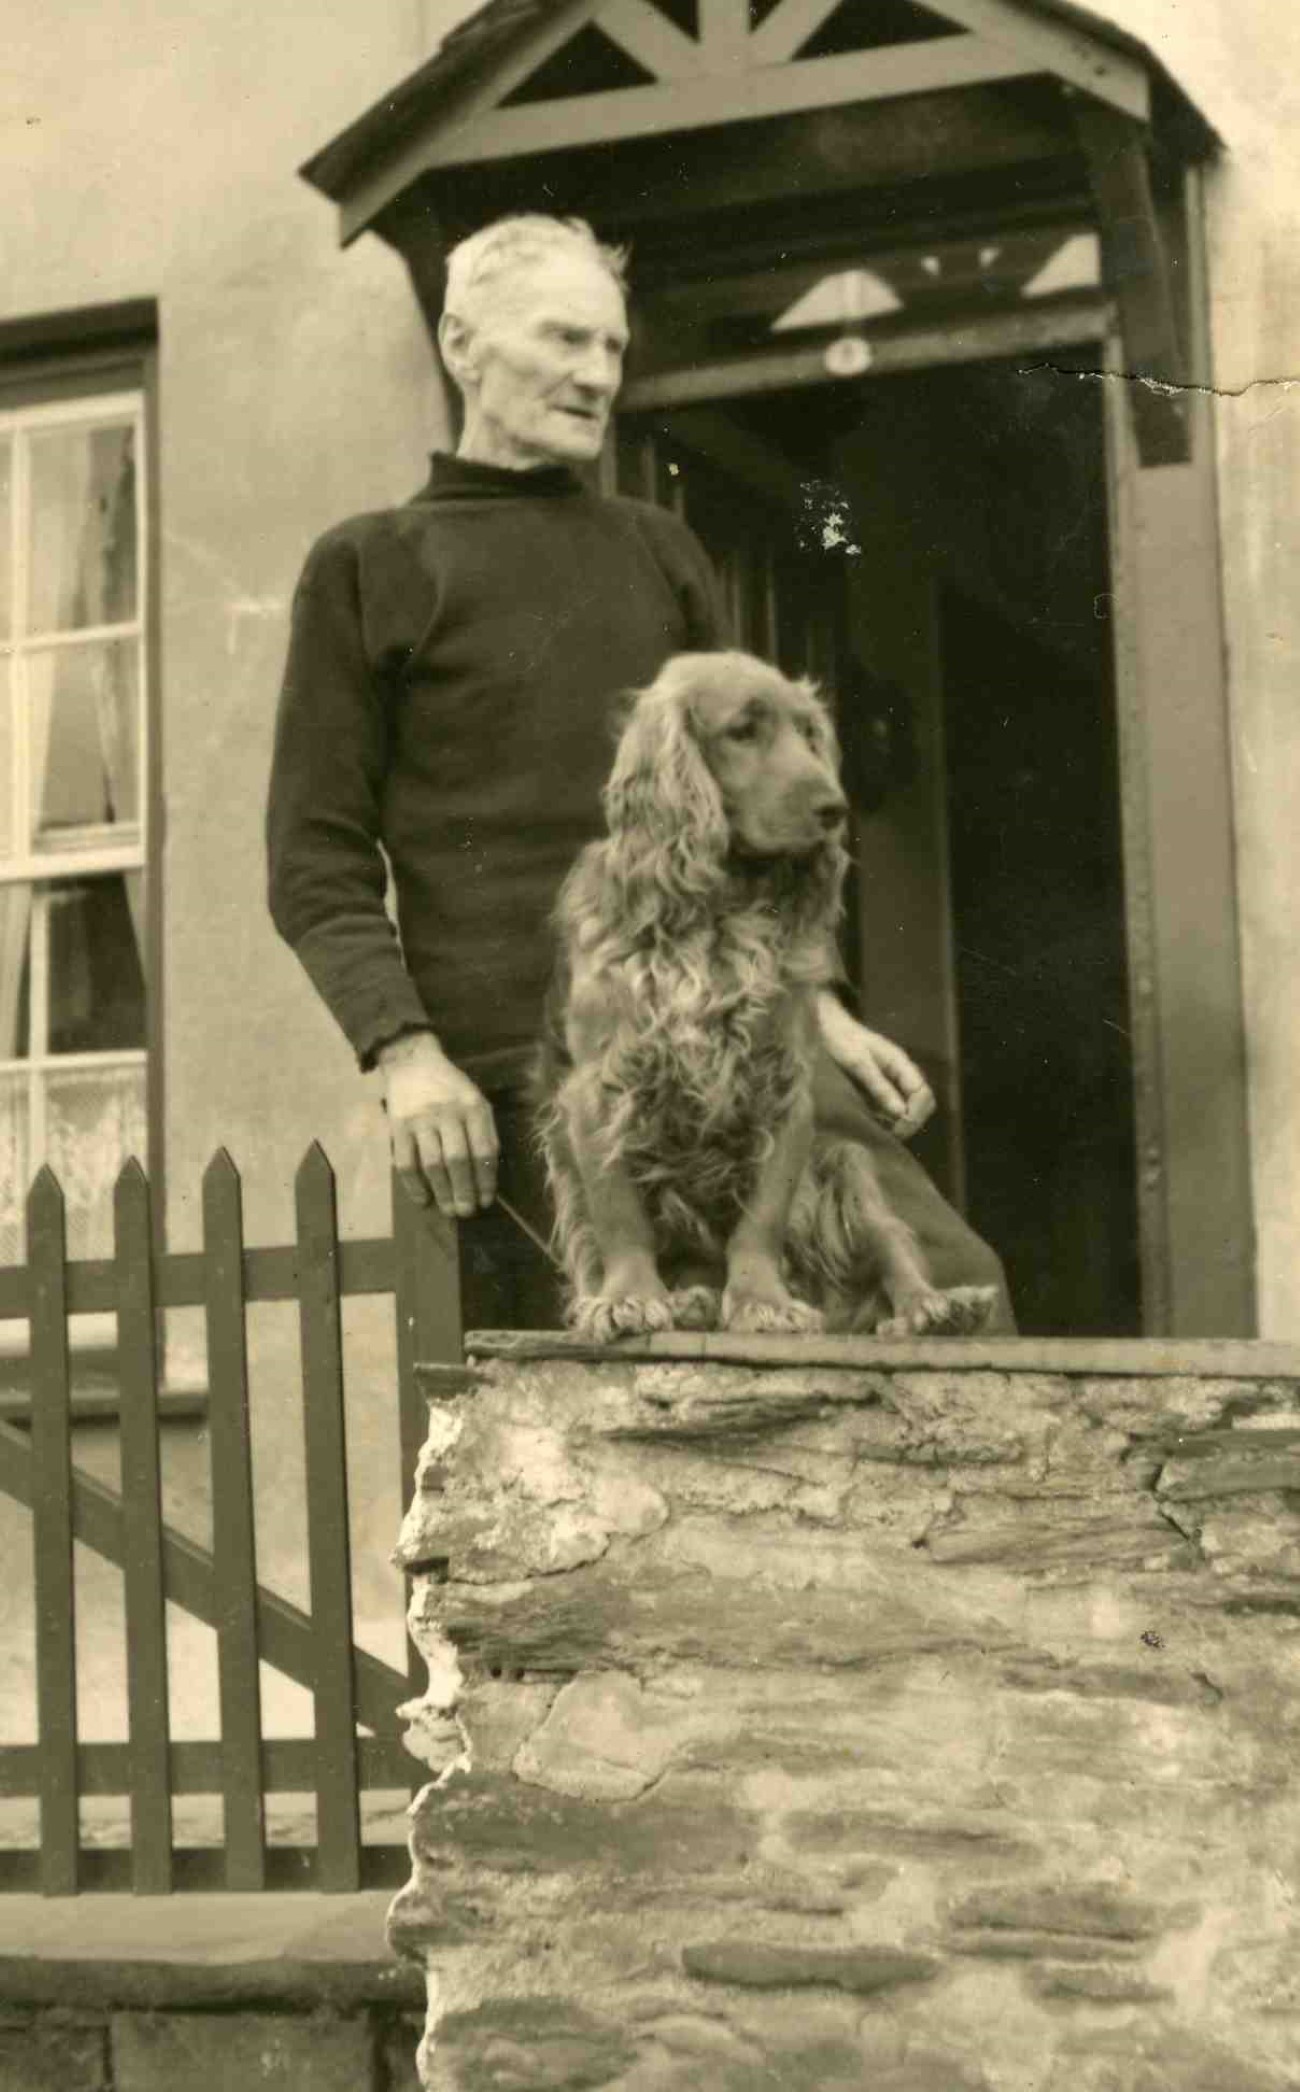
x,y
452,478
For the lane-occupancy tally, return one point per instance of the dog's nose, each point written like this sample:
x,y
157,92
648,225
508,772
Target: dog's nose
x,y
830,810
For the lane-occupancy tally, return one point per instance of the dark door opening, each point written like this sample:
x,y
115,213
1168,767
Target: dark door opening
x,y
934,548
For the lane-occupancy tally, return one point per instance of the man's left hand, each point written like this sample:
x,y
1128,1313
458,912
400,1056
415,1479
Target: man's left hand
x,y
890,1078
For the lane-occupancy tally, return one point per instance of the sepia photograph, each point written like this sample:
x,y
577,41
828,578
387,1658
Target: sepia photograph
x,y
649,997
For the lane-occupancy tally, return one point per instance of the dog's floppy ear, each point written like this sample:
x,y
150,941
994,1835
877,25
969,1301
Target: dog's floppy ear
x,y
667,825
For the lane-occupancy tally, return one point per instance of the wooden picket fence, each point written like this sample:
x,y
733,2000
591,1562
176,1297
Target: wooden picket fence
x,y
352,1690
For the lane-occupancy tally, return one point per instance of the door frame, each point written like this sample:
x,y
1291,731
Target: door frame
x,y
1194,1194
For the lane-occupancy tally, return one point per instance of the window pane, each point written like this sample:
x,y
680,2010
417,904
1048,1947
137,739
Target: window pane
x,y
6,533
15,970
96,978
6,757
85,738
81,529
95,1121
15,1167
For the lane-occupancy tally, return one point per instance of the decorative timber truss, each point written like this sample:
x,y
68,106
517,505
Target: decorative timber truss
x,y
731,139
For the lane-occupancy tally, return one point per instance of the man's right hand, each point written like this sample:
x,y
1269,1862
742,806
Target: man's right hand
x,y
440,1126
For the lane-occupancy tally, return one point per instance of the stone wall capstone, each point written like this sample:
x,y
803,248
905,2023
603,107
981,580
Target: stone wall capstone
x,y
826,1726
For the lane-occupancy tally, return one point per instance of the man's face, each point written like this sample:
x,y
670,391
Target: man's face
x,y
542,368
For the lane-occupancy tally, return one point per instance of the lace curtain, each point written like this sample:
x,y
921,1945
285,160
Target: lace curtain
x,y
83,768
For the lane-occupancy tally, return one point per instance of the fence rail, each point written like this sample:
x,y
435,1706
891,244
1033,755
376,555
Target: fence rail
x,y
352,1690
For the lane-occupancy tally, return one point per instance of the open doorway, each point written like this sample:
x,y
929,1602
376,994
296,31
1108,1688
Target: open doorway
x,y
933,546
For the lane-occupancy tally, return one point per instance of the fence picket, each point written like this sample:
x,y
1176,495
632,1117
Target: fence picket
x,y
146,1623
233,1542
284,1633
338,1823
426,1299
427,1306
55,1593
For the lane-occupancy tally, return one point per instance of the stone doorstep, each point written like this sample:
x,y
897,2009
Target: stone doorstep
x,y
295,1951
1086,1358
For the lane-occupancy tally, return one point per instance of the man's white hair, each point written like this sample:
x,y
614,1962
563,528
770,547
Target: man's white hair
x,y
476,266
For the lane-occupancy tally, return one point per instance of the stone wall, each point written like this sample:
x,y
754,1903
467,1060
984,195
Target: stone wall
x,y
73,2049
842,1726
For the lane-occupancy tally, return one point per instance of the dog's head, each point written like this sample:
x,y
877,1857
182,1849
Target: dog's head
x,y
726,762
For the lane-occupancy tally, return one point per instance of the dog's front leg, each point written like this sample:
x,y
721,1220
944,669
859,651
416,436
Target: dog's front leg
x,y
757,1297
632,1298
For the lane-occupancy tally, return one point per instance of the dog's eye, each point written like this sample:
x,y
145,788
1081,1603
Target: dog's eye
x,y
742,730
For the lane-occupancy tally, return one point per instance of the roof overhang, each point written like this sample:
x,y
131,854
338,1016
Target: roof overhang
x,y
679,136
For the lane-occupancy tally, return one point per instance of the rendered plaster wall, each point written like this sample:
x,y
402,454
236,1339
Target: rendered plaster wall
x,y
151,152
153,148
825,1727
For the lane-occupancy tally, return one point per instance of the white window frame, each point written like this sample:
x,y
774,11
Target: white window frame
x,y
94,849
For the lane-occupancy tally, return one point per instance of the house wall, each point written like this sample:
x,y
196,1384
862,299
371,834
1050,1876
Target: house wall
x,y
154,143
151,152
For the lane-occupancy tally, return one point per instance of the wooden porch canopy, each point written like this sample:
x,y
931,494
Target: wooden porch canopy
x,y
745,147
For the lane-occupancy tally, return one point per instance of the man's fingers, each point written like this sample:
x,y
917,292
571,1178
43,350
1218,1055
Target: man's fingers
x,y
918,1110
442,1166
914,1099
484,1150
442,1132
406,1161
871,1077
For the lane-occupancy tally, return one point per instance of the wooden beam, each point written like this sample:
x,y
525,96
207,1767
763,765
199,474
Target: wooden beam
x,y
181,1278
724,33
766,290
1185,986
646,186
1072,54
651,39
971,341
393,175
639,112
1137,272
787,29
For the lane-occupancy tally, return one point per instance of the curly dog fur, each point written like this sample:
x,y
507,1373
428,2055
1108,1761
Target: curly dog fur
x,y
690,1187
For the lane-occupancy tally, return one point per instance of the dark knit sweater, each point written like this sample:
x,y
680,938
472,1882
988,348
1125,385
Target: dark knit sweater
x,y
453,668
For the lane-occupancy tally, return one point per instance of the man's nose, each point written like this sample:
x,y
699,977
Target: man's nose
x,y
599,370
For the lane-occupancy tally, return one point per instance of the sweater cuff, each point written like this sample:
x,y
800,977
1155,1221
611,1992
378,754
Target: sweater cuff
x,y
372,997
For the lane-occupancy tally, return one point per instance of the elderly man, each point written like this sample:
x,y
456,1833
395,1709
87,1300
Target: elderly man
x,y
452,671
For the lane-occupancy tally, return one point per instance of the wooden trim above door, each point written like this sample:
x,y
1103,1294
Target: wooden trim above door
x,y
1194,1185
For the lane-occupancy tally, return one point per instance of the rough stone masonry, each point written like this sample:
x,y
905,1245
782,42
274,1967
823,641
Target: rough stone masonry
x,y
833,1727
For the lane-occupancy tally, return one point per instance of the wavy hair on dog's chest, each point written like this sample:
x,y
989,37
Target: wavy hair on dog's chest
x,y
698,1050
687,981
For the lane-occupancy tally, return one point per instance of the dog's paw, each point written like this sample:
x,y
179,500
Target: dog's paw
x,y
695,1307
603,1317
957,1312
752,1314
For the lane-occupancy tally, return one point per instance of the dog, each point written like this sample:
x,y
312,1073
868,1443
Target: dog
x,y
690,1187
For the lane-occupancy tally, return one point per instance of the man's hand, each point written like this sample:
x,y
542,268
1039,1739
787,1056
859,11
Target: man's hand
x,y
893,1082
440,1126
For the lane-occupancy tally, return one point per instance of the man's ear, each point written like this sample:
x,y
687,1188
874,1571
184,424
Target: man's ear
x,y
457,346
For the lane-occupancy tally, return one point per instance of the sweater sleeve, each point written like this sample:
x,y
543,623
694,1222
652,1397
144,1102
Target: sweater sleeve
x,y
685,565
326,872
